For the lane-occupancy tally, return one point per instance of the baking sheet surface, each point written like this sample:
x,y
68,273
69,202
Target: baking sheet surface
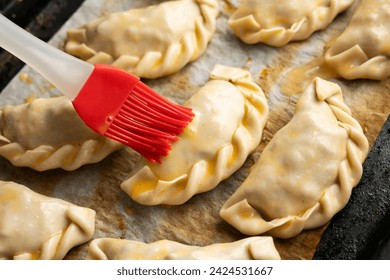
x,y
197,222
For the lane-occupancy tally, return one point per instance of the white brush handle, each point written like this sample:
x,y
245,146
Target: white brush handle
x,y
67,73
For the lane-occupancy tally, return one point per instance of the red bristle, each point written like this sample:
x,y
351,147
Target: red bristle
x,y
145,151
141,129
146,129
145,110
152,156
155,143
155,112
150,97
152,149
148,114
148,118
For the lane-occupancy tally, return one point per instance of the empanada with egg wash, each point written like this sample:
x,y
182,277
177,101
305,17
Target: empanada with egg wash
x,y
34,226
306,173
278,22
47,133
362,51
251,248
230,114
148,42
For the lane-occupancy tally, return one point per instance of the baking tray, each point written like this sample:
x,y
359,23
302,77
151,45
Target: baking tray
x,y
197,222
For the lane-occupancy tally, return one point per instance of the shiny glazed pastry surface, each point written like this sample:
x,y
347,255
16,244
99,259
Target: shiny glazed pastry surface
x,y
278,22
306,173
149,42
230,114
34,226
47,134
252,248
362,50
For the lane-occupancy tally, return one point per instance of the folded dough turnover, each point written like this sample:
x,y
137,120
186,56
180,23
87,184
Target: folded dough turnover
x,y
47,134
278,22
252,248
150,42
306,173
34,226
362,50
230,114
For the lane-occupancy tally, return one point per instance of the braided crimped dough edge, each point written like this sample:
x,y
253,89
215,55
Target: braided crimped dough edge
x,y
251,32
360,66
251,248
154,64
80,228
349,173
44,157
228,158
354,62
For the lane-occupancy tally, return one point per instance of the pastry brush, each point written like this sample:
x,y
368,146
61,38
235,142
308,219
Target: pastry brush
x,y
109,100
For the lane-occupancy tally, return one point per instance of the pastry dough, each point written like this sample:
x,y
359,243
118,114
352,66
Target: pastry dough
x,y
278,22
230,114
33,226
306,173
362,50
252,248
47,134
151,42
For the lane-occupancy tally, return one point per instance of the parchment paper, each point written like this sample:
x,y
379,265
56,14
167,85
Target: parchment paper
x,y
197,222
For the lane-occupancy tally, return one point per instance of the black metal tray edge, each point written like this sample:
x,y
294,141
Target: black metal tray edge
x,y
360,230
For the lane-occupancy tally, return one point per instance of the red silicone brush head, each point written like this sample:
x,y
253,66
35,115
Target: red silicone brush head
x,y
119,106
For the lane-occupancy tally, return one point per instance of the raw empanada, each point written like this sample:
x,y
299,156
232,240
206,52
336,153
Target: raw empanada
x,y
306,173
362,50
278,22
34,226
252,248
47,134
230,114
151,42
